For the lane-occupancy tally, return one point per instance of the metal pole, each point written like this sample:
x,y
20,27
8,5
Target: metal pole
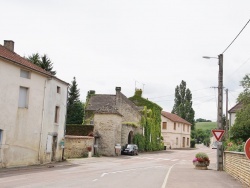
x,y
227,128
220,112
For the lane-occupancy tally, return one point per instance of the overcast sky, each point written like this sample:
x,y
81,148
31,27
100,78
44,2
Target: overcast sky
x,y
147,44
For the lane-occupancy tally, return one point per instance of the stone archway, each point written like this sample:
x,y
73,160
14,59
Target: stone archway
x,y
130,137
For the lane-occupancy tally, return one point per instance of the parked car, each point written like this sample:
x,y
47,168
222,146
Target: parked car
x,y
130,149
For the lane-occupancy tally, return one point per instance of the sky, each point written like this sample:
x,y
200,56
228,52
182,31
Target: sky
x,y
146,44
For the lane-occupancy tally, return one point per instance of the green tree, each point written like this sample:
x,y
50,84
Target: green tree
x,y
46,64
183,103
42,61
75,108
241,128
35,59
75,113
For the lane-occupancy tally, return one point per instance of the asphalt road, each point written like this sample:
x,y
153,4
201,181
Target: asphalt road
x,y
147,170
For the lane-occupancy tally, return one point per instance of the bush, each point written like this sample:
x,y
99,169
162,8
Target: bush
x,y
192,143
233,146
201,157
78,129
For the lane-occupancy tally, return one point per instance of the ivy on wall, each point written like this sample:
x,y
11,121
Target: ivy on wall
x,y
151,121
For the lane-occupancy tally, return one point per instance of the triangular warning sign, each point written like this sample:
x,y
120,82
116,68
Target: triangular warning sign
x,y
218,134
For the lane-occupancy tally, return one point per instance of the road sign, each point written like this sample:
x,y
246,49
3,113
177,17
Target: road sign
x,y
218,134
247,148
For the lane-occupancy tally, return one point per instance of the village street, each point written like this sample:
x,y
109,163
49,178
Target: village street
x,y
170,168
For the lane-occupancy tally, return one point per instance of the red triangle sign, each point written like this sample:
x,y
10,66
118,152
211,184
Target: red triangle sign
x,y
218,134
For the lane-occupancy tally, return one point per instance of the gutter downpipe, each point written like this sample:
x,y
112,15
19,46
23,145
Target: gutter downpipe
x,y
41,130
65,121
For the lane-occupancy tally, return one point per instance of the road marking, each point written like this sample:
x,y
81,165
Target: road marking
x,y
95,179
166,178
175,160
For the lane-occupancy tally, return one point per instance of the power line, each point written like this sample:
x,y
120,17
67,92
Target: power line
x,y
236,37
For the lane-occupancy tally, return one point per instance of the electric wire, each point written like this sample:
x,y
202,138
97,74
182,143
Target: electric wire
x,y
236,37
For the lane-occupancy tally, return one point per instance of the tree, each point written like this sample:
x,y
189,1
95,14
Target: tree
x,y
42,61
35,59
241,128
75,108
74,92
183,103
46,64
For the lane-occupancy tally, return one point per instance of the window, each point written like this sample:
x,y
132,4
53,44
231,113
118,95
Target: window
x,y
25,74
188,128
57,109
58,89
183,127
187,141
23,97
164,125
174,126
1,136
176,141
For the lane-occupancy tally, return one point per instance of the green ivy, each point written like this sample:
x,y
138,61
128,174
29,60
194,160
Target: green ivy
x,y
151,121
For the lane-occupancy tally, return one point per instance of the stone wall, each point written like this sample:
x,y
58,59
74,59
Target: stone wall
x,y
76,146
126,129
127,108
237,165
108,127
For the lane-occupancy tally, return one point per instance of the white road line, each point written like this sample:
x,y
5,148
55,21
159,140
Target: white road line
x,y
175,160
166,178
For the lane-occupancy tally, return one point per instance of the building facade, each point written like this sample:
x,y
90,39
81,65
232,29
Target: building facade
x,y
175,131
115,118
32,117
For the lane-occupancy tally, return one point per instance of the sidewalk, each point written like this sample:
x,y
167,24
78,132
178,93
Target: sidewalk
x,y
185,175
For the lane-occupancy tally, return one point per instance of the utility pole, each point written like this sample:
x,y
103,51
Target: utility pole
x,y
220,112
227,128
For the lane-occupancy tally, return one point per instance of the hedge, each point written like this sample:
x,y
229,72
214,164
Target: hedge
x,y
79,130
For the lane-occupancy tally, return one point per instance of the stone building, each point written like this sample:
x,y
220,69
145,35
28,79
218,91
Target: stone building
x,y
115,118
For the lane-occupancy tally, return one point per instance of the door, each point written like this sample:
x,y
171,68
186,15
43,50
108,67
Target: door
x,y
130,137
54,146
183,142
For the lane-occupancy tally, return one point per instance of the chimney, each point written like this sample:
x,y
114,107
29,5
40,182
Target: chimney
x,y
9,44
118,89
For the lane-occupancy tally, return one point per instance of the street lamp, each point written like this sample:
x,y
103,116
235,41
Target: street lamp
x,y
219,109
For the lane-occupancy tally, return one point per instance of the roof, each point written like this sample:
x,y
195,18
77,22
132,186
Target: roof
x,y
21,61
174,117
13,57
107,109
100,100
235,108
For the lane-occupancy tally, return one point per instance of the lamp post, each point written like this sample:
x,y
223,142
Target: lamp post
x,y
219,109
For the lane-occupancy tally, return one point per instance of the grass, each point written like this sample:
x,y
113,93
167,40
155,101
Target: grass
x,y
206,125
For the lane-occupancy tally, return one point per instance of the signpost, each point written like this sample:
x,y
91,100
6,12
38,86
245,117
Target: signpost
x,y
247,148
218,134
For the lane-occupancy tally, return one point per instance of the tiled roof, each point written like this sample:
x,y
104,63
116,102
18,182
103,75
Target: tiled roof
x,y
234,109
174,117
18,60
97,101
107,109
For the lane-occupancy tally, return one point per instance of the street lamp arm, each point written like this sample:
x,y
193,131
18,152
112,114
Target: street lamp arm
x,y
207,57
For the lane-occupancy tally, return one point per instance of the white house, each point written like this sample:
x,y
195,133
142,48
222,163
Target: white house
x,y
232,113
175,131
33,111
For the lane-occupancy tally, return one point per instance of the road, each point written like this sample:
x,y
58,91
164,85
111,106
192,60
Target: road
x,y
147,170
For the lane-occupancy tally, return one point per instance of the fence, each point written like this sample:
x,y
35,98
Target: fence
x,y
237,165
